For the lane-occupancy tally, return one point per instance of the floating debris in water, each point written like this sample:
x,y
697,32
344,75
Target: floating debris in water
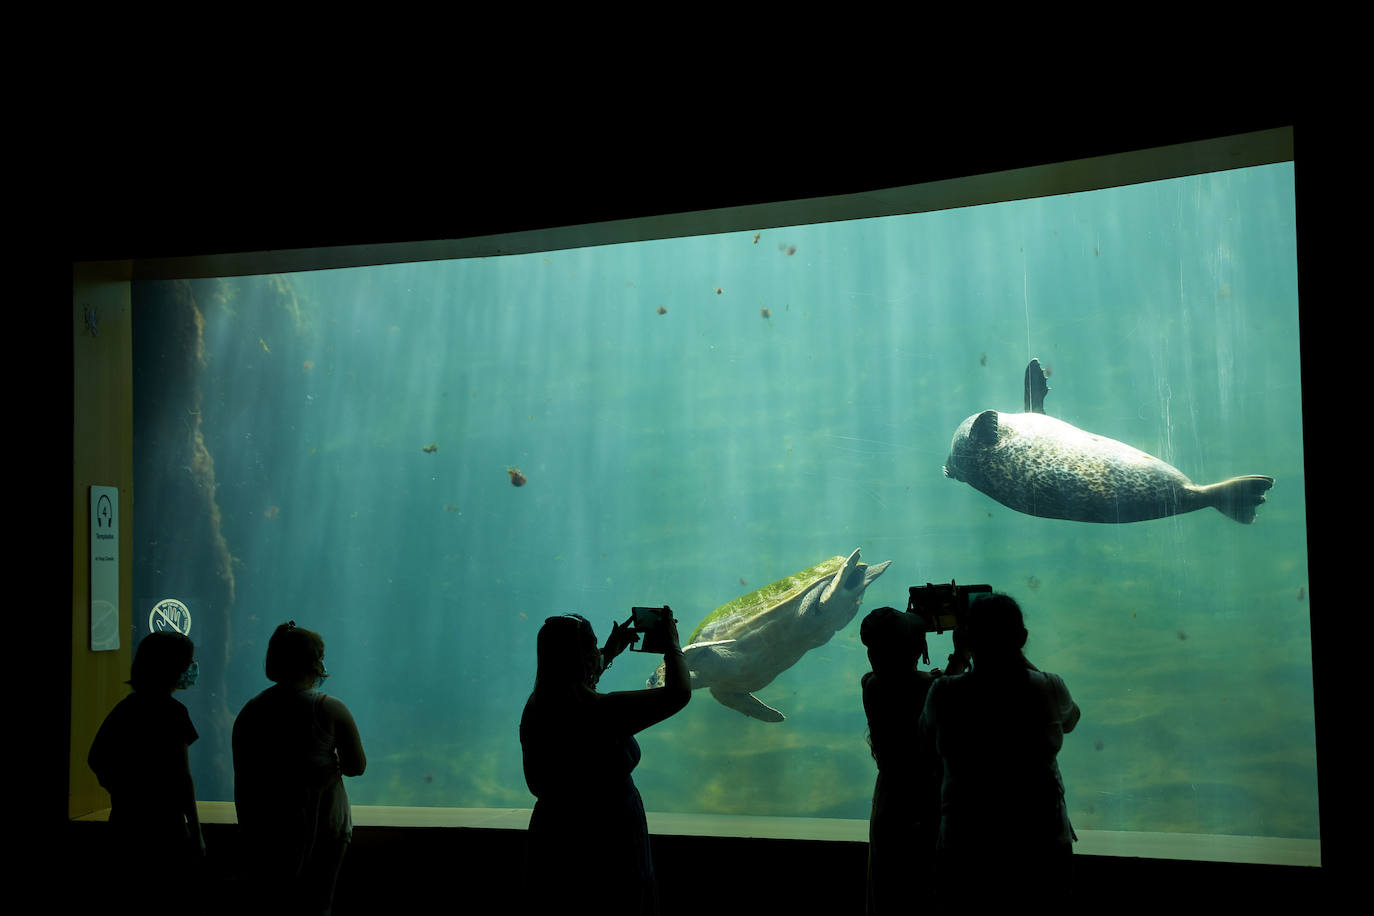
x,y
787,249
1098,745
264,345
756,237
307,365
429,777
453,509
742,582
1033,582
1182,636
662,310
516,478
1301,593
271,511
765,313
982,359
430,449
719,291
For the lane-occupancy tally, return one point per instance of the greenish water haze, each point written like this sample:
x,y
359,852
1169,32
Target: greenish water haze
x,y
682,446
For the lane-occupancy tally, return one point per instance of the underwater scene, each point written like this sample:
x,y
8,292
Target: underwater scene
x,y
423,461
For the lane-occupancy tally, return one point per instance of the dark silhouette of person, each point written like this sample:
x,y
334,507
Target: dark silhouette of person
x,y
587,848
905,820
293,745
141,755
1004,827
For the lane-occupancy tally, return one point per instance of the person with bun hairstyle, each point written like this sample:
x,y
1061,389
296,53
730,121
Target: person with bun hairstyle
x,y
293,744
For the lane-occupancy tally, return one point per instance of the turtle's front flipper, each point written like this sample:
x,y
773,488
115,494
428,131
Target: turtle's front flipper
x,y
1035,387
748,704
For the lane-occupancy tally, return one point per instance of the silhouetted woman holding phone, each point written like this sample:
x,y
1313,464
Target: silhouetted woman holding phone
x,y
588,842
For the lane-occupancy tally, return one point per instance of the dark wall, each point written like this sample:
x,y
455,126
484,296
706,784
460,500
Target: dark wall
x,y
341,185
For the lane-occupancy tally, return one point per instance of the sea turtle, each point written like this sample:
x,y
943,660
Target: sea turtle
x,y
741,646
1042,466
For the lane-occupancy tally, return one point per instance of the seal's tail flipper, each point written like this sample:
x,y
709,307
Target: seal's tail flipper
x,y
1035,388
1239,497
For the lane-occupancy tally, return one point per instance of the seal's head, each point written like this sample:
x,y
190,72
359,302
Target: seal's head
x,y
970,439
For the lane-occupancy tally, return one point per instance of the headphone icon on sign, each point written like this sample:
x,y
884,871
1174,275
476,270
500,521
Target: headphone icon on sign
x,y
104,512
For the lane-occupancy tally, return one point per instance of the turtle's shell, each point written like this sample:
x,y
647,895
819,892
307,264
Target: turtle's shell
x,y
733,619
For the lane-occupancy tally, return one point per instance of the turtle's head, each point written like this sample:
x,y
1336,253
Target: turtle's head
x,y
708,656
853,577
839,602
863,576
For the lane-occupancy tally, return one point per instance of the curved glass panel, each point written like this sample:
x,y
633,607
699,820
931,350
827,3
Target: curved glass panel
x,y
693,418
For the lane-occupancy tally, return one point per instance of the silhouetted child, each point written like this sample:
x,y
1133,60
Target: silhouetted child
x,y
905,819
141,755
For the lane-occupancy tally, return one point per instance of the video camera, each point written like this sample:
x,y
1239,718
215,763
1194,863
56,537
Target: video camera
x,y
944,607
940,607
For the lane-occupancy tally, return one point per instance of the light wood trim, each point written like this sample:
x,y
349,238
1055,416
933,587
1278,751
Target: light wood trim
x,y
102,454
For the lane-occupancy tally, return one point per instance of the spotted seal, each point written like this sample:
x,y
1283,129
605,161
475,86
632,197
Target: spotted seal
x,y
1042,466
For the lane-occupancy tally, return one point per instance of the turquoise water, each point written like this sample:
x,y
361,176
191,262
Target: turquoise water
x,y
698,417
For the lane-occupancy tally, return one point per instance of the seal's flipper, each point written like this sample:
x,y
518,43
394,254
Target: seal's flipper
x,y
1035,387
748,704
1239,497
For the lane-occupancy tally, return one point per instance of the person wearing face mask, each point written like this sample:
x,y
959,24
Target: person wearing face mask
x,y
587,848
293,744
141,756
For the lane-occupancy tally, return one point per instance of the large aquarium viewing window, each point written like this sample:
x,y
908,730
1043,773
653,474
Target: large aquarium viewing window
x,y
422,461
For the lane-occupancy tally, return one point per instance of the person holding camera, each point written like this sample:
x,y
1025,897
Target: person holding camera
x,y
588,841
1004,827
905,818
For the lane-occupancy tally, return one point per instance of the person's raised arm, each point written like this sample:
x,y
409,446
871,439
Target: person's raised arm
x,y
632,711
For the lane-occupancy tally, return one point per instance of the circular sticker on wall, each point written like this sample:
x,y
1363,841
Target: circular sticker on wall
x,y
171,615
